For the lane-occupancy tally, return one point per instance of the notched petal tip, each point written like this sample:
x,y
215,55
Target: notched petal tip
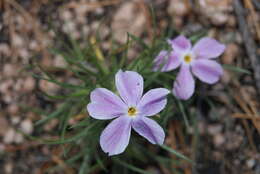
x,y
115,137
180,43
129,84
149,129
153,102
166,91
208,48
208,71
105,104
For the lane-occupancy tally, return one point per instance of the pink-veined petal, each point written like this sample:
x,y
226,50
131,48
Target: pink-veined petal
x,y
184,85
166,61
105,104
153,102
208,48
174,61
115,137
149,129
161,61
130,86
206,70
180,43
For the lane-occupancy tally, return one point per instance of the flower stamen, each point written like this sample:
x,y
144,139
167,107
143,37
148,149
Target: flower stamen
x,y
132,111
187,58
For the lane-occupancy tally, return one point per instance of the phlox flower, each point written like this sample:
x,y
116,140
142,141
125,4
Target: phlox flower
x,y
197,60
131,110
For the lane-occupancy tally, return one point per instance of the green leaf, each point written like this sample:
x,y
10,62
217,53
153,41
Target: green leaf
x,y
83,133
176,153
236,69
84,166
54,114
131,167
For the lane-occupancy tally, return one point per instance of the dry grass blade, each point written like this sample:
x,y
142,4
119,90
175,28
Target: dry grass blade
x,y
241,100
248,42
244,116
251,109
253,15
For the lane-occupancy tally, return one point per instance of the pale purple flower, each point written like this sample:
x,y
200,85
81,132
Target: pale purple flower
x,y
197,60
131,110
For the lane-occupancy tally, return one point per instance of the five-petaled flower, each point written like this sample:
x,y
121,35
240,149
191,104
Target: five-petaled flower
x,y
196,59
131,110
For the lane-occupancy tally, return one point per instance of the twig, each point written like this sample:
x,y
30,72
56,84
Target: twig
x,y
249,42
253,15
257,4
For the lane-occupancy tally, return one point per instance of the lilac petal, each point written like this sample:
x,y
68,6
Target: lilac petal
x,y
180,43
166,61
208,48
184,85
130,86
161,60
206,70
105,104
174,61
115,137
149,129
153,102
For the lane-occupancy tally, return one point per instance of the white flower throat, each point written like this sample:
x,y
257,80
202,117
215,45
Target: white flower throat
x,y
187,58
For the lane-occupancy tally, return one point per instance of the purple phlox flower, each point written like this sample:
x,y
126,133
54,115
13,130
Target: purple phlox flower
x,y
131,110
197,60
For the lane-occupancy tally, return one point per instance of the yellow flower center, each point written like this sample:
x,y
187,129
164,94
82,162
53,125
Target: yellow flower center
x,y
132,112
187,58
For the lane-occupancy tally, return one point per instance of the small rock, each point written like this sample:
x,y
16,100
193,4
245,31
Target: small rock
x,y
219,139
59,61
8,98
9,70
250,163
33,45
177,8
17,40
128,18
48,87
214,129
15,119
66,15
24,53
219,18
69,27
5,50
18,84
18,138
27,126
9,136
6,86
8,168
232,21
216,11
29,84
13,109
230,54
